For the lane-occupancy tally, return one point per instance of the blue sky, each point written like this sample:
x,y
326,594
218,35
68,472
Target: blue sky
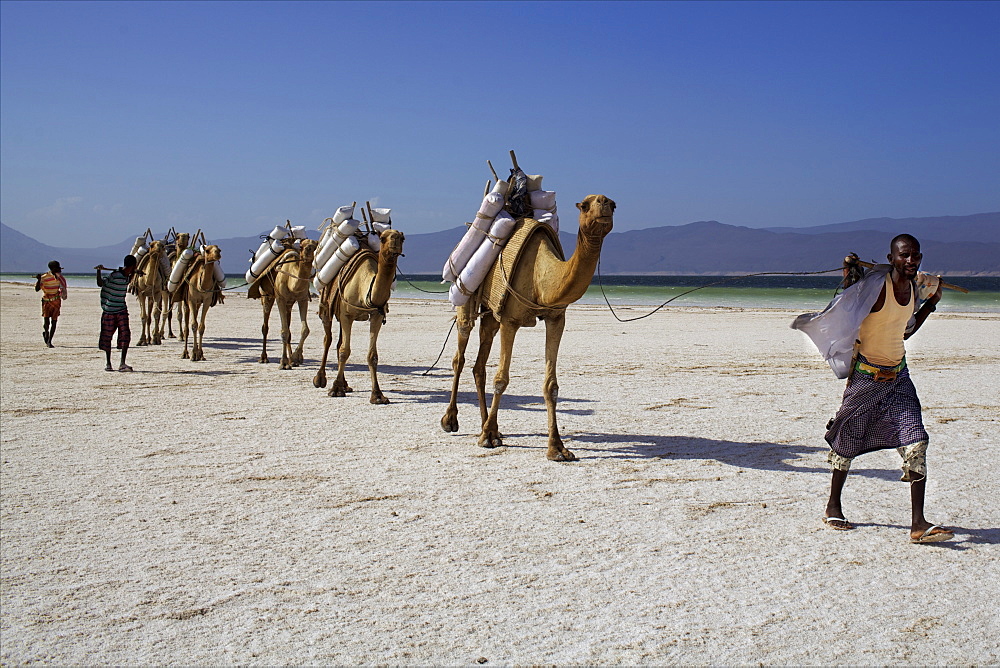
x,y
236,116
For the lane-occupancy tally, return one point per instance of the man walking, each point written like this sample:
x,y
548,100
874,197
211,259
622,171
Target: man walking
x,y
861,333
52,285
115,312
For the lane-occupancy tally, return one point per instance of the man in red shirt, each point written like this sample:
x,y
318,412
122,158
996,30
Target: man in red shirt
x,y
52,285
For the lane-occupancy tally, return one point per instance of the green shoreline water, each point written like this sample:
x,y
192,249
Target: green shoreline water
x,y
782,292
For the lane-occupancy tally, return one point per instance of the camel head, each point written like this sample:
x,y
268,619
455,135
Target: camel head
x,y
155,247
596,214
307,250
182,241
392,245
212,254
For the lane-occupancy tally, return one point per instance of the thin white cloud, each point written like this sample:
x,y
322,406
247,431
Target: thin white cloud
x,y
55,211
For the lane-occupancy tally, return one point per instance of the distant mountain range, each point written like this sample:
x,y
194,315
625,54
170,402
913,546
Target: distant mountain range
x,y
952,245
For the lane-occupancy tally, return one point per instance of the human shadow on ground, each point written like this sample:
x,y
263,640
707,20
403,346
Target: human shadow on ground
x,y
761,455
965,537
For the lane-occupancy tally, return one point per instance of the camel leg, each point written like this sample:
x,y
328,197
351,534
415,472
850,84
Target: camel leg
x,y
375,326
327,319
297,356
550,388
183,323
285,311
449,422
170,320
144,319
488,328
491,438
340,388
267,303
157,320
200,335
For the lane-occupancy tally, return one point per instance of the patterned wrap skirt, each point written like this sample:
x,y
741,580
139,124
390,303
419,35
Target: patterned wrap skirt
x,y
110,322
876,415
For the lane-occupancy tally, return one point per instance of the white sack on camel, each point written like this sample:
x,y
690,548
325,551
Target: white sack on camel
x,y
543,199
482,260
477,231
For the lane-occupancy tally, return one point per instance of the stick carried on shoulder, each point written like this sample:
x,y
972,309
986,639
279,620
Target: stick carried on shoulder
x,y
852,259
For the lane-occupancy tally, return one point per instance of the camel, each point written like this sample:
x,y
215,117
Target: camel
x,y
174,251
540,287
198,292
286,283
150,285
360,292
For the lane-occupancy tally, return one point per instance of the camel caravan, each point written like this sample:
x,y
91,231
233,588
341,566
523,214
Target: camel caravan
x,y
170,275
352,269
507,271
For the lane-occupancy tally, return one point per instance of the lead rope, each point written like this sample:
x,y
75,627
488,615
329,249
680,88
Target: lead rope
x,y
687,292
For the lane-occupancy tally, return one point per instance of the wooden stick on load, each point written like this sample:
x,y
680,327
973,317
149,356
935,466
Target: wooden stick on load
x,y
513,159
489,185
371,216
495,177
869,265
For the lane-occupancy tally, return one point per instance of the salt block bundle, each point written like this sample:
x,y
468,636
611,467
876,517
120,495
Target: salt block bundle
x,y
180,267
337,245
381,221
544,204
139,248
477,234
471,277
475,254
268,252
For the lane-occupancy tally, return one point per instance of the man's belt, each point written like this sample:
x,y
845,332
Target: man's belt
x,y
51,299
880,375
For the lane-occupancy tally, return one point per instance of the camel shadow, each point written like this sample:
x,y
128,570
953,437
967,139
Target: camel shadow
x,y
196,372
761,455
468,401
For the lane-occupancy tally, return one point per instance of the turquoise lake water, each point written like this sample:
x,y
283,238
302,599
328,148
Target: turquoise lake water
x,y
806,293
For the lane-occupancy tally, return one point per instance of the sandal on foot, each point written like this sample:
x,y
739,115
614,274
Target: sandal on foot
x,y
838,523
109,368
934,534
125,367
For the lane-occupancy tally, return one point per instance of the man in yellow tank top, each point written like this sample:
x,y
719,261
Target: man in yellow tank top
x,y
880,409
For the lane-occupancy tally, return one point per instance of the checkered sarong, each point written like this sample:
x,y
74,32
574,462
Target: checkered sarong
x,y
111,322
876,415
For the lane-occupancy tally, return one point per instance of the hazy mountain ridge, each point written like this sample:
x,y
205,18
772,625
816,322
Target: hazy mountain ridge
x,y
953,245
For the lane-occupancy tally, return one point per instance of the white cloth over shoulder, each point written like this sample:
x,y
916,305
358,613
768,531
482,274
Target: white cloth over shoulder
x,y
835,330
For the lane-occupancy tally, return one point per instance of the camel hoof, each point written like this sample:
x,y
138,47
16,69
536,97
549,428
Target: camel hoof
x,y
449,423
263,360
319,381
490,441
185,355
335,392
171,336
561,456
379,399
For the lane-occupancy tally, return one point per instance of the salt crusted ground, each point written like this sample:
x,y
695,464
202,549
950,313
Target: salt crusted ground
x,y
227,512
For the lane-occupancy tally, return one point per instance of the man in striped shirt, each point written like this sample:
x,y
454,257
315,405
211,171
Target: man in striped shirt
x,y
52,285
115,311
